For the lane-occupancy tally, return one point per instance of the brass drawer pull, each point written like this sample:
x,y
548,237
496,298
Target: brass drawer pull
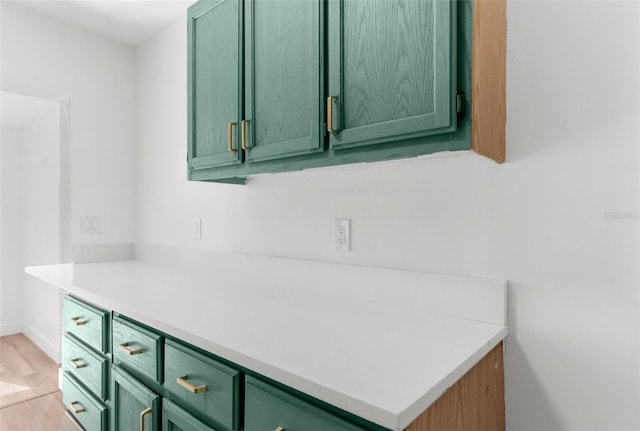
x,y
279,429
75,409
230,136
126,348
78,322
244,135
329,116
182,381
142,415
76,365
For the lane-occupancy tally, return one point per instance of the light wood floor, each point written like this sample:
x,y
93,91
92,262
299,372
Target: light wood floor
x,y
40,407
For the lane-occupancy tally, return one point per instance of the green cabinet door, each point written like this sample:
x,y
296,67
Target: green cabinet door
x,y
391,70
283,79
268,408
134,406
213,83
176,419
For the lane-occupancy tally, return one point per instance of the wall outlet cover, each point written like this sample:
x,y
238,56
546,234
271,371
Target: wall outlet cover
x,y
342,234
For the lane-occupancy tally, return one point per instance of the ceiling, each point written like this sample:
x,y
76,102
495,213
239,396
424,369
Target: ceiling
x,y
128,21
17,110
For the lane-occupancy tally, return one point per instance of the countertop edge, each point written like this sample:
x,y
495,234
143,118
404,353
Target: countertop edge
x,y
397,421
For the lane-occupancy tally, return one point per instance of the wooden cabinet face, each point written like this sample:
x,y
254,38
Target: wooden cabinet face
x,y
134,406
283,78
87,323
268,408
214,70
87,410
137,350
176,419
391,70
87,366
203,385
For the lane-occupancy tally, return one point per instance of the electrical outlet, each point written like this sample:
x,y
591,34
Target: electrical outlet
x,y
197,228
342,234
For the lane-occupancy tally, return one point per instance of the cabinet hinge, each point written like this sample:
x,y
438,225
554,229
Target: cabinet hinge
x,y
460,105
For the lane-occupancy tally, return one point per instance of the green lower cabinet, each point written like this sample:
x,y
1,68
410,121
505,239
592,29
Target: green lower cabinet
x,y
89,367
90,412
133,405
138,350
268,408
176,419
87,323
203,385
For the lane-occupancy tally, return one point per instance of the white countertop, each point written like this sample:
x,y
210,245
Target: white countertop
x,y
382,344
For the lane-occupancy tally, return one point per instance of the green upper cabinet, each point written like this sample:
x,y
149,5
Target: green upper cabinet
x,y
214,82
255,83
283,85
283,78
392,70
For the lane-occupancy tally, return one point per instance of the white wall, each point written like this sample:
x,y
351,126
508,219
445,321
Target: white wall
x,y
40,175
559,220
99,76
11,268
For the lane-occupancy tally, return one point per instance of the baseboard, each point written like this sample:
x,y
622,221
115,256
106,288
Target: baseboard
x,y
11,328
43,343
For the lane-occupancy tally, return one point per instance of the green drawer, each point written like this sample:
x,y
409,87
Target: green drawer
x,y
208,389
88,323
87,409
267,408
176,419
137,350
91,368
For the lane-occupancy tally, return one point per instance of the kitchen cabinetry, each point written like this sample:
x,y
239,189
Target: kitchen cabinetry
x,y
214,89
398,79
134,406
392,70
268,408
236,342
88,411
203,385
176,419
283,79
273,109
85,363
138,350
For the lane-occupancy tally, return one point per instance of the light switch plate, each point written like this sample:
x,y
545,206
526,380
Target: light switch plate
x,y
90,224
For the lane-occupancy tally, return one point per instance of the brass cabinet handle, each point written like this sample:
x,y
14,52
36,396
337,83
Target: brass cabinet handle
x,y
78,322
330,114
75,409
182,381
76,365
142,415
244,135
126,348
230,135
279,429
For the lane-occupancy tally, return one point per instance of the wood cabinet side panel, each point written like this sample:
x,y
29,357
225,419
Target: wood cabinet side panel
x,y
474,403
488,79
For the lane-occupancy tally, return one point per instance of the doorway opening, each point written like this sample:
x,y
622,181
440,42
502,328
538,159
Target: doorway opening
x,y
35,208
